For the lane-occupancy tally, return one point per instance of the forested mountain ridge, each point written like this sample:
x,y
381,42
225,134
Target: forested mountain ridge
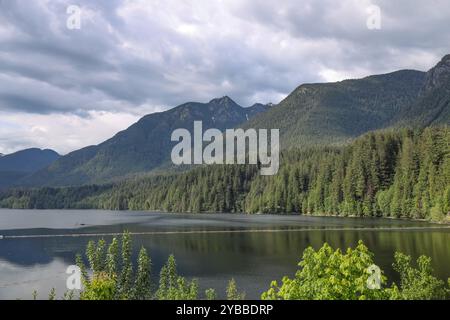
x,y
334,113
393,173
142,147
16,165
433,104
313,114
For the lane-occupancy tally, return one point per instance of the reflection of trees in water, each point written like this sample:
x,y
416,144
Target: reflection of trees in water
x,y
210,253
223,251
34,251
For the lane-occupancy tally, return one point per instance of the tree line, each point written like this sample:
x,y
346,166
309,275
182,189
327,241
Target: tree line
x,y
393,173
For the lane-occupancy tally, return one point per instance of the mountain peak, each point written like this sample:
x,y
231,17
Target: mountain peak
x,y
444,63
225,100
143,147
438,74
446,59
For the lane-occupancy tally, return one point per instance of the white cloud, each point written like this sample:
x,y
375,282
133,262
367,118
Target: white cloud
x,y
61,132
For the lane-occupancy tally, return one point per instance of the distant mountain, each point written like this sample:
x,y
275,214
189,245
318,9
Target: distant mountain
x,y
28,160
142,147
22,163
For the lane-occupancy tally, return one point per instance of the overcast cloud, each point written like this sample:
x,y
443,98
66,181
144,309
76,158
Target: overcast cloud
x,y
65,89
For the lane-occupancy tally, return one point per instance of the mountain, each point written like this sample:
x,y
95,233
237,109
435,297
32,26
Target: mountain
x,y
318,113
337,112
142,147
433,105
28,160
22,163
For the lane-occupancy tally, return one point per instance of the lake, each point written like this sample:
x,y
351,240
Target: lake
x,y
38,245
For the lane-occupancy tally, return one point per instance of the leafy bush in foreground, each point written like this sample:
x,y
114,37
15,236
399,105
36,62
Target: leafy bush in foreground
x,y
329,274
325,274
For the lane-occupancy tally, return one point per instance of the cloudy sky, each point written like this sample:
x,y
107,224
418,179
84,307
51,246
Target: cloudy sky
x,y
65,88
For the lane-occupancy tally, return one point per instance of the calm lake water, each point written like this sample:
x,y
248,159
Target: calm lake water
x,y
39,245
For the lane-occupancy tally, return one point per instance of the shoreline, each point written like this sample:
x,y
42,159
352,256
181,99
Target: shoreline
x,y
446,220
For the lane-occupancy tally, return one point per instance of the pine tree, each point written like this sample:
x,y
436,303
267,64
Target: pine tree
x,y
142,286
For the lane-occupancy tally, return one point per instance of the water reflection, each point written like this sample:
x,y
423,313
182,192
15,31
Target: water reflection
x,y
253,259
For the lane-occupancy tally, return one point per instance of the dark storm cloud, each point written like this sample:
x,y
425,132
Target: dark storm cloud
x,y
137,56
148,61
